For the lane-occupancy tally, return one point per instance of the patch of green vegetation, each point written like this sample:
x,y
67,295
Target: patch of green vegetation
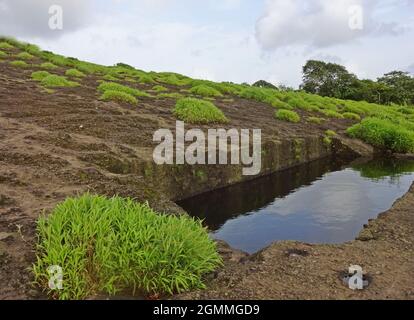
x,y
53,81
5,45
198,111
254,93
352,116
330,133
298,143
74,73
173,79
287,115
279,104
384,134
332,114
146,79
159,88
316,120
19,64
110,245
112,86
40,75
119,96
48,66
205,91
327,141
110,77
3,54
25,56
173,95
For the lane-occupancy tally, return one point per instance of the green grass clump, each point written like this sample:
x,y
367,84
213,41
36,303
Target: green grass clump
x,y
173,95
146,79
19,64
3,54
287,115
159,88
48,66
112,86
316,120
5,45
110,77
40,75
205,91
173,79
384,134
198,111
352,116
25,56
332,114
119,96
74,73
53,81
109,245
254,93
279,104
330,133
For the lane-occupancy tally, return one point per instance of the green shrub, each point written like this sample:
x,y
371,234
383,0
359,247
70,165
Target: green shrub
x,y
25,56
74,73
5,45
198,111
316,120
332,114
384,134
352,116
19,64
287,115
40,75
48,66
52,81
3,54
118,96
205,91
159,88
112,86
110,245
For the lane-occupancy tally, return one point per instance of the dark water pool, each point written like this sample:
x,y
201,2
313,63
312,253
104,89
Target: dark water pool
x,y
321,202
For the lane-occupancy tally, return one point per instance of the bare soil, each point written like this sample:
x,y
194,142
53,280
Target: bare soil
x,y
55,145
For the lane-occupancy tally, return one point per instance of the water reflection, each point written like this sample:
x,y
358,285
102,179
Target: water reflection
x,y
321,202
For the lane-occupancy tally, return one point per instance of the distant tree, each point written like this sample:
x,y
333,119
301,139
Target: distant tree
x,y
327,79
264,84
401,87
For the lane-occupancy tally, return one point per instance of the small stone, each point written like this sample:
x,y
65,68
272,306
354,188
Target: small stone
x,y
365,235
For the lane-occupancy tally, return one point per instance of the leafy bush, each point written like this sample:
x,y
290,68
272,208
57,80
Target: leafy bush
x,y
287,115
52,81
316,120
198,111
74,73
48,66
205,91
352,116
384,134
112,86
40,75
19,64
118,96
109,245
25,56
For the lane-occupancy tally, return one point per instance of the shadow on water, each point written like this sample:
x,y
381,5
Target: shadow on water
x,y
320,202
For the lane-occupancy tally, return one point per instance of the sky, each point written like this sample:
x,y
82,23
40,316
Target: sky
x,y
224,40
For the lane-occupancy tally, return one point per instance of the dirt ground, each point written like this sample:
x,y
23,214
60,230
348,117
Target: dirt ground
x,y
54,145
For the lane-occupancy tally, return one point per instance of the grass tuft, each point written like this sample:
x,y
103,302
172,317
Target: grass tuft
x,y
198,111
53,81
74,73
205,91
112,86
109,245
48,66
352,116
25,56
40,75
119,96
19,64
287,115
5,46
